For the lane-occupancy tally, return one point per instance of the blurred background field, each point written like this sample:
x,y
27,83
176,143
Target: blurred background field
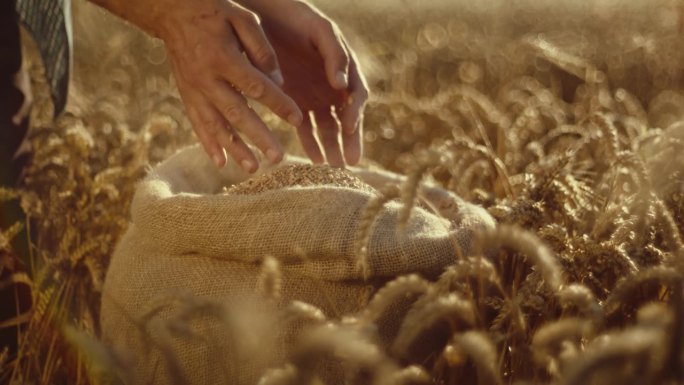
x,y
559,117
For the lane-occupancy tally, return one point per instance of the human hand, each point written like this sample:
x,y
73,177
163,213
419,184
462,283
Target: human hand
x,y
320,73
205,40
205,46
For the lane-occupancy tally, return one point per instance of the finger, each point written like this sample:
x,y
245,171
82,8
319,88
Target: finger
x,y
352,113
254,84
311,146
208,141
194,103
353,145
336,60
329,134
223,136
228,139
234,109
238,149
247,26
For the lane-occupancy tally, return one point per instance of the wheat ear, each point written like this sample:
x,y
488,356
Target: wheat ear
x,y
418,320
479,348
530,245
400,287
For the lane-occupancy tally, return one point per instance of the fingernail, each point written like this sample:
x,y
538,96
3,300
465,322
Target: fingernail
x,y
218,160
277,77
342,79
247,165
295,119
273,156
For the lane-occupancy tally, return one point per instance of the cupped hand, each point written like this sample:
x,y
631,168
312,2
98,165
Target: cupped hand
x,y
321,75
220,56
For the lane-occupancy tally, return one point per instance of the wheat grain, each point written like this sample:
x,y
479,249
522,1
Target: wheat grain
x,y
301,175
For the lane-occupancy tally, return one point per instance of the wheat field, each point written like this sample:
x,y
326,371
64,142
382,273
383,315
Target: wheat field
x,y
564,120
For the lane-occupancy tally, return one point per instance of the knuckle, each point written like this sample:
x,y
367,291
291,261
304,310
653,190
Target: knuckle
x,y
234,113
255,88
265,56
213,126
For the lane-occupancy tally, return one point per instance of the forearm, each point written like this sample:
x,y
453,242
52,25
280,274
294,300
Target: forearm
x,y
145,14
157,17
272,8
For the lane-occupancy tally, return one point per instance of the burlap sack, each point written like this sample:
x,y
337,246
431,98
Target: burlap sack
x,y
186,235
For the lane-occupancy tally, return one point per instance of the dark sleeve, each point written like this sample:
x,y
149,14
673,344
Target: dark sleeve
x,y
49,23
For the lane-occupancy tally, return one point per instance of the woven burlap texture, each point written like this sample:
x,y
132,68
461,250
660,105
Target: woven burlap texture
x,y
188,235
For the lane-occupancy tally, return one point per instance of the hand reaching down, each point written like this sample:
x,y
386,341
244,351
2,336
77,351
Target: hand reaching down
x,y
282,53
321,75
214,78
